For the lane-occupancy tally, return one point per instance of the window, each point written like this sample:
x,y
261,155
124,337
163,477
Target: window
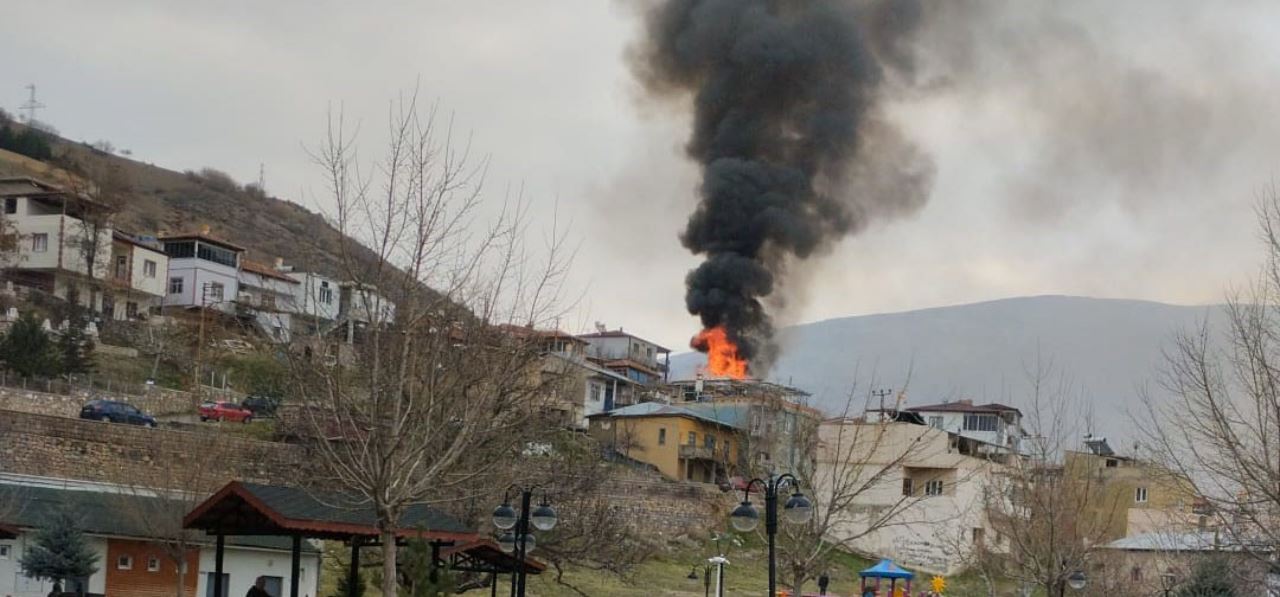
x,y
149,268
131,309
710,442
226,584
693,438
1112,462
908,486
981,423
180,250
935,421
122,267
933,487
153,564
662,436
596,391
1136,574
124,563
326,293
11,205
216,254
213,291
4,552
1140,495
39,243
175,285
978,534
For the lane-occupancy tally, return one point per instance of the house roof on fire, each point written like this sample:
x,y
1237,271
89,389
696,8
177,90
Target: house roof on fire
x,y
725,415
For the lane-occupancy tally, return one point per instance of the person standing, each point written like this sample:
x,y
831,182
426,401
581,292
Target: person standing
x,y
259,588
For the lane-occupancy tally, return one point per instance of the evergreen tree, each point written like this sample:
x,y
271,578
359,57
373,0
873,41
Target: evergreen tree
x,y
58,551
75,349
344,589
1211,577
27,348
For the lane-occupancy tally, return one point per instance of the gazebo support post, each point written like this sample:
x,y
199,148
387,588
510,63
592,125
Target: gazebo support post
x,y
219,549
493,585
353,571
434,574
295,566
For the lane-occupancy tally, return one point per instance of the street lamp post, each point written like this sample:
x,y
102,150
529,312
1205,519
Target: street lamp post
x,y
519,537
797,510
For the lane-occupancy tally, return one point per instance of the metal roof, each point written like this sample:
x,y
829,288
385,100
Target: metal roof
x,y
965,407
104,513
254,509
1201,541
717,414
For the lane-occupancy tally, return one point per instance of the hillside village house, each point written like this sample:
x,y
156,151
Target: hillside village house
x,y
316,297
778,431
681,442
138,277
627,354
56,239
586,389
267,296
997,427
59,232
930,482
203,271
1135,497
129,563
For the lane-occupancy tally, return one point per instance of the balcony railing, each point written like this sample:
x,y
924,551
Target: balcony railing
x,y
695,452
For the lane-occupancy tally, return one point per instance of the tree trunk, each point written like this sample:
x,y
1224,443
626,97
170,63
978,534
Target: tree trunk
x,y
182,579
389,577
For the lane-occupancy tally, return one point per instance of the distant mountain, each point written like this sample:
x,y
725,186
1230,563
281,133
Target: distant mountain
x,y
1108,348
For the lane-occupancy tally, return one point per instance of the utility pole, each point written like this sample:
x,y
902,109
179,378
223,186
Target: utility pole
x,y
881,393
262,177
32,105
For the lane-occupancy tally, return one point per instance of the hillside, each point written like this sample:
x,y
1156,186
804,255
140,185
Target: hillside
x,y
1109,348
164,200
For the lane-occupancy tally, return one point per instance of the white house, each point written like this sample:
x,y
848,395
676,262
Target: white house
x,y
203,271
269,297
137,277
316,296
63,240
926,483
361,303
995,425
129,561
627,354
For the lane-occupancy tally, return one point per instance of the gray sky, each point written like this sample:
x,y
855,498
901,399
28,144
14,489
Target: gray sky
x,y
1102,148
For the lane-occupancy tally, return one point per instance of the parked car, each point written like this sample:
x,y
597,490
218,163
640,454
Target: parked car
x,y
262,406
225,411
111,411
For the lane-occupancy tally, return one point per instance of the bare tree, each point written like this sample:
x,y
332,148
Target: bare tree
x,y
1049,517
853,483
157,501
434,387
1217,423
100,188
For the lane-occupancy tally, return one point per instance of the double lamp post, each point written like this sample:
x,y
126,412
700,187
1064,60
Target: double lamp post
x,y
797,510
517,536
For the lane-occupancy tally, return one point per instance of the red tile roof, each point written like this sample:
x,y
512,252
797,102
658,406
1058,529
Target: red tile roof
x,y
263,269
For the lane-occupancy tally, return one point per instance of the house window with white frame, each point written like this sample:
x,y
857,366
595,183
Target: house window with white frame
x,y
175,285
149,268
124,563
326,293
933,487
39,242
981,423
153,564
1140,495
4,552
935,421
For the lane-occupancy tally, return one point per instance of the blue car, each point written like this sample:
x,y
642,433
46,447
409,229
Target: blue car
x,y
111,411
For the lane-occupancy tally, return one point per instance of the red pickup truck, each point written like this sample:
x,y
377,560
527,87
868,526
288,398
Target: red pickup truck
x,y
225,411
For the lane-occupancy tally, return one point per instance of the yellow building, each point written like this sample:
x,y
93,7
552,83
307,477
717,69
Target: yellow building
x,y
682,443
1134,497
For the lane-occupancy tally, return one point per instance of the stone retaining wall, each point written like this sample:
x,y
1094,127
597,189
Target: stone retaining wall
x,y
54,446
159,401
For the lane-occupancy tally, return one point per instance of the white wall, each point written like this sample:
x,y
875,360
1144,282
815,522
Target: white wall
x,y
157,285
245,565
196,272
307,295
13,584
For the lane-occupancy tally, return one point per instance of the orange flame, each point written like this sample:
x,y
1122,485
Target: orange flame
x,y
722,353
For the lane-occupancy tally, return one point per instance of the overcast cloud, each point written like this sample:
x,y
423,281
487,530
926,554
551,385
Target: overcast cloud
x,y
1095,147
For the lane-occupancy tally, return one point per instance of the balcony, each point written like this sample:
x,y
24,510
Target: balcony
x,y
695,452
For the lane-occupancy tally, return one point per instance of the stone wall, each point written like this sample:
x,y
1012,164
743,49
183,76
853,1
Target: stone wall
x,y
53,446
159,401
665,508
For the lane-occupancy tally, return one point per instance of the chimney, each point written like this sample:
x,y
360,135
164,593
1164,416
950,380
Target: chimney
x,y
279,263
204,229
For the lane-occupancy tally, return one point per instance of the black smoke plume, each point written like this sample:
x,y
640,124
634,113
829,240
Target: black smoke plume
x,y
793,150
